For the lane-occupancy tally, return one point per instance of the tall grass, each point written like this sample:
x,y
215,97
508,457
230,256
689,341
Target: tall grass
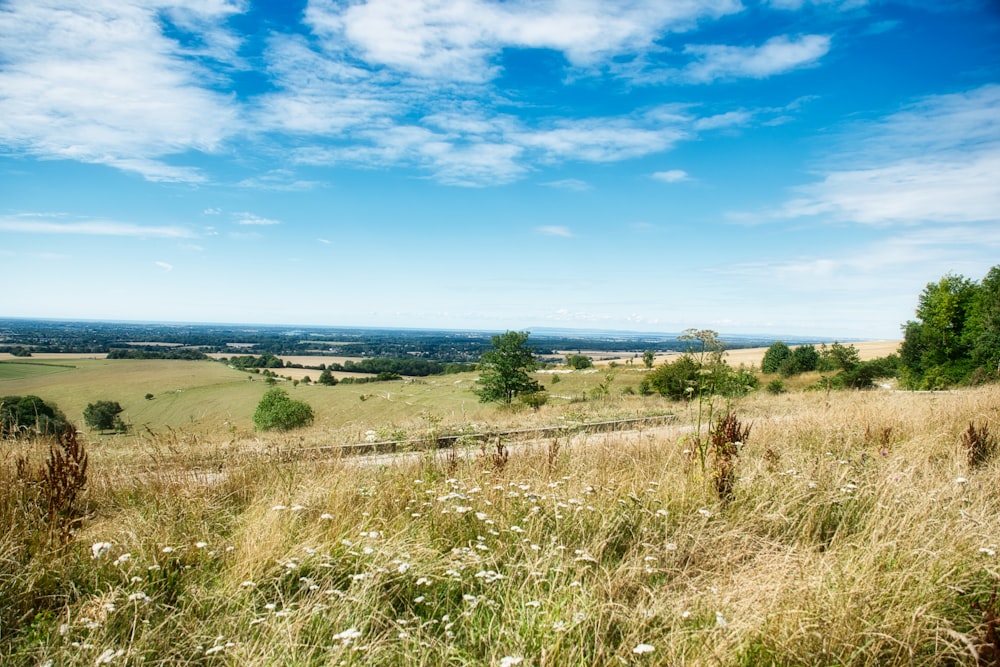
x,y
854,532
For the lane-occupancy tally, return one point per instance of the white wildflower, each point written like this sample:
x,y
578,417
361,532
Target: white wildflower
x,y
510,661
326,516
720,620
98,549
640,649
108,655
348,635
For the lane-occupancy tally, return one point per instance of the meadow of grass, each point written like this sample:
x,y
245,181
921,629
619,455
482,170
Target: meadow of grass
x,y
857,532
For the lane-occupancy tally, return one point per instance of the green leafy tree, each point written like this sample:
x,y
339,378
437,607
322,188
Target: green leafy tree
x,y
838,357
579,361
937,349
104,416
504,370
805,358
277,411
774,357
648,357
984,326
29,416
326,377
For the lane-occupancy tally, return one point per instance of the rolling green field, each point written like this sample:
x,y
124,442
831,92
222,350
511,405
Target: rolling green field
x,y
204,398
21,370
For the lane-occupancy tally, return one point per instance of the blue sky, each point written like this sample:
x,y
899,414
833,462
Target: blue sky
x,y
783,167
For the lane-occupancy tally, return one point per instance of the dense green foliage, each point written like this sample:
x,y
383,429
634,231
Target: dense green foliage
x,y
266,360
277,411
775,357
780,358
104,416
155,353
504,370
29,416
700,372
687,377
413,367
955,338
579,361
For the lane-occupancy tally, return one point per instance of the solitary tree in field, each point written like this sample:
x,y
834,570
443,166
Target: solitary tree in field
x,y
648,357
277,411
103,416
504,370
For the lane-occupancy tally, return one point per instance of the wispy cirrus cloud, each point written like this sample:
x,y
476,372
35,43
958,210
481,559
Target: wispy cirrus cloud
x,y
935,161
458,40
55,224
100,82
554,230
392,84
144,86
166,266
775,56
572,184
250,219
671,176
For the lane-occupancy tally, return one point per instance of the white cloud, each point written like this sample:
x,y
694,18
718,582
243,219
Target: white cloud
x,y
459,40
935,161
99,82
254,220
599,139
554,230
35,224
165,266
777,55
795,5
279,180
671,176
572,184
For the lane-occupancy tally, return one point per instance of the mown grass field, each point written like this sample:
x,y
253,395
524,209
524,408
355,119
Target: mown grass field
x,y
857,533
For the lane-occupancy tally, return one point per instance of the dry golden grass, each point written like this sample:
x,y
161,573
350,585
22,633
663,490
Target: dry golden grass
x,y
857,534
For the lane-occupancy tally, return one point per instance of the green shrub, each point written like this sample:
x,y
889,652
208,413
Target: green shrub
x,y
29,416
277,411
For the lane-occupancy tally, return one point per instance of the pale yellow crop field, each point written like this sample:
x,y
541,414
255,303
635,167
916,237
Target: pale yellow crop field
x,y
752,356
